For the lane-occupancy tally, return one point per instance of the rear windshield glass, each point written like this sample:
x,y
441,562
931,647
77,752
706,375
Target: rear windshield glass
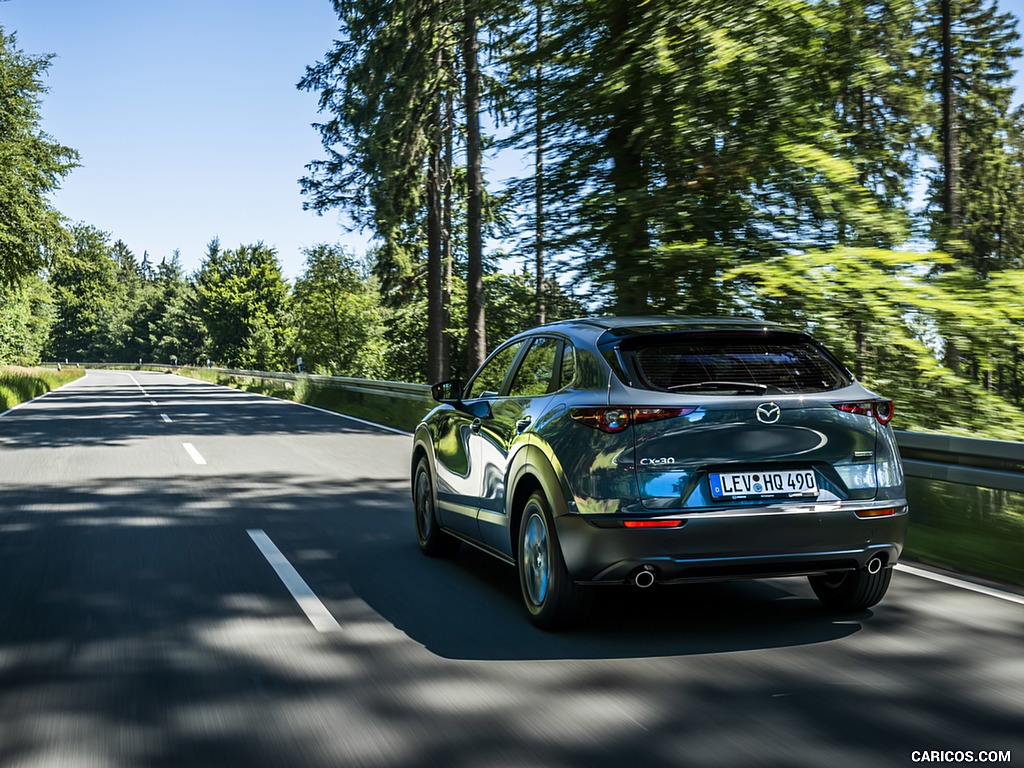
x,y
736,366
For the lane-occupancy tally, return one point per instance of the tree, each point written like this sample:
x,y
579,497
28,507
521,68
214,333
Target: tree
x,y
31,166
969,57
888,315
87,297
178,333
389,84
243,300
27,315
338,318
677,134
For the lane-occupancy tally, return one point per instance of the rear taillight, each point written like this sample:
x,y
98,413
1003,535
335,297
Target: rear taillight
x,y
652,523
616,418
882,410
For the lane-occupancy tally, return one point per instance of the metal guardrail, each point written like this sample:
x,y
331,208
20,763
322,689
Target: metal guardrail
x,y
971,461
396,388
995,464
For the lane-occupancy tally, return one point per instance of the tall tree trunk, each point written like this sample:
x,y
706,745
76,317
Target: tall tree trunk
x,y
628,235
446,195
950,144
538,171
476,336
435,277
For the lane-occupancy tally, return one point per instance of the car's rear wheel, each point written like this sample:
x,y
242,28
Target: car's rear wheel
x,y
852,590
551,597
432,540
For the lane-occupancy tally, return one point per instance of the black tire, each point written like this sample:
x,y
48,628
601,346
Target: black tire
x,y
852,590
433,541
552,600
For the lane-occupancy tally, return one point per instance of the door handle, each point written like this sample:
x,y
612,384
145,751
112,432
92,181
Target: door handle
x,y
523,423
475,426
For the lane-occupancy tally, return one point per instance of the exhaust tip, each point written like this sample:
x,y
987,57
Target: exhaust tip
x,y
644,578
874,565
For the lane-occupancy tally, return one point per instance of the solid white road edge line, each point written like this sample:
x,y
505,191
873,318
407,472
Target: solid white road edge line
x,y
961,584
165,417
350,418
310,604
197,457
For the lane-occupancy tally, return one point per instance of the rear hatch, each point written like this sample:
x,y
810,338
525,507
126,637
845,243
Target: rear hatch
x,y
746,418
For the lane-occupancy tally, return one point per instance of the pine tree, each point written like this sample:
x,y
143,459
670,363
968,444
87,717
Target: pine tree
x,y
970,52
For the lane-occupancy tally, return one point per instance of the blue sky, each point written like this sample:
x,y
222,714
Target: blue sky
x,y
187,118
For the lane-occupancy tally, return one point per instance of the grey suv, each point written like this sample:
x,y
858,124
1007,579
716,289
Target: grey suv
x,y
663,450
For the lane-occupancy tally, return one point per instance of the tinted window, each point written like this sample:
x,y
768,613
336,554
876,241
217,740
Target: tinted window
x,y
568,371
488,381
535,373
712,365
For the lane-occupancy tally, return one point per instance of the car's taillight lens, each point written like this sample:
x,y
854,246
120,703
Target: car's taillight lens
x,y
652,523
617,418
882,410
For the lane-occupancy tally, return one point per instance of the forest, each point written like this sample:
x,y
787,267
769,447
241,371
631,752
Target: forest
x,y
854,168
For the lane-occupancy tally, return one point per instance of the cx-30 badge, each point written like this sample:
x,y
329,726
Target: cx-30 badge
x,y
768,413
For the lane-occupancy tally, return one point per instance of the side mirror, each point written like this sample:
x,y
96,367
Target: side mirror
x,y
447,391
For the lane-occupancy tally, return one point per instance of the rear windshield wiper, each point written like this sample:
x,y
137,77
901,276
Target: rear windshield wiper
x,y
747,386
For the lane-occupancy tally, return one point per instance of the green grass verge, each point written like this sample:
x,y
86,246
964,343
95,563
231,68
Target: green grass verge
x,y
978,531
18,385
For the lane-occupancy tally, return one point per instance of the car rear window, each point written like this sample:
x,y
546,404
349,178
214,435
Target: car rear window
x,y
733,364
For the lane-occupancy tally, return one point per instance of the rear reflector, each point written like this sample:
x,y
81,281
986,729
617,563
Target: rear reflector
x,y
887,512
652,523
616,418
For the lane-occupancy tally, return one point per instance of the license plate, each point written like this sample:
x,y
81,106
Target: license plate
x,y
782,482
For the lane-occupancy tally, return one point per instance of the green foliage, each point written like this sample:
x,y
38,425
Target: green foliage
x,y
243,301
987,151
675,130
884,313
87,297
27,315
19,384
380,82
31,166
511,305
338,317
967,528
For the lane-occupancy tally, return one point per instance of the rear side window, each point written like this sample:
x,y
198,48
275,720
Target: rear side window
x,y
568,370
782,363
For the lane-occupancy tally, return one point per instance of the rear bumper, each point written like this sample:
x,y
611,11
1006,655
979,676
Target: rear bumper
x,y
733,544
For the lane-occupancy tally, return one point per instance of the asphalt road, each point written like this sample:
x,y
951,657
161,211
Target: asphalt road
x,y
142,625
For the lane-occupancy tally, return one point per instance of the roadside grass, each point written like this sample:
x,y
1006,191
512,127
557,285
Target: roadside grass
x,y
977,531
18,384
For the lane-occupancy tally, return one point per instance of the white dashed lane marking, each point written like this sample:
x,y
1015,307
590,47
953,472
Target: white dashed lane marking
x,y
197,457
310,604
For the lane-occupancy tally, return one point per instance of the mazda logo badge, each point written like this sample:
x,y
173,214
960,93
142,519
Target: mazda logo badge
x,y
768,413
